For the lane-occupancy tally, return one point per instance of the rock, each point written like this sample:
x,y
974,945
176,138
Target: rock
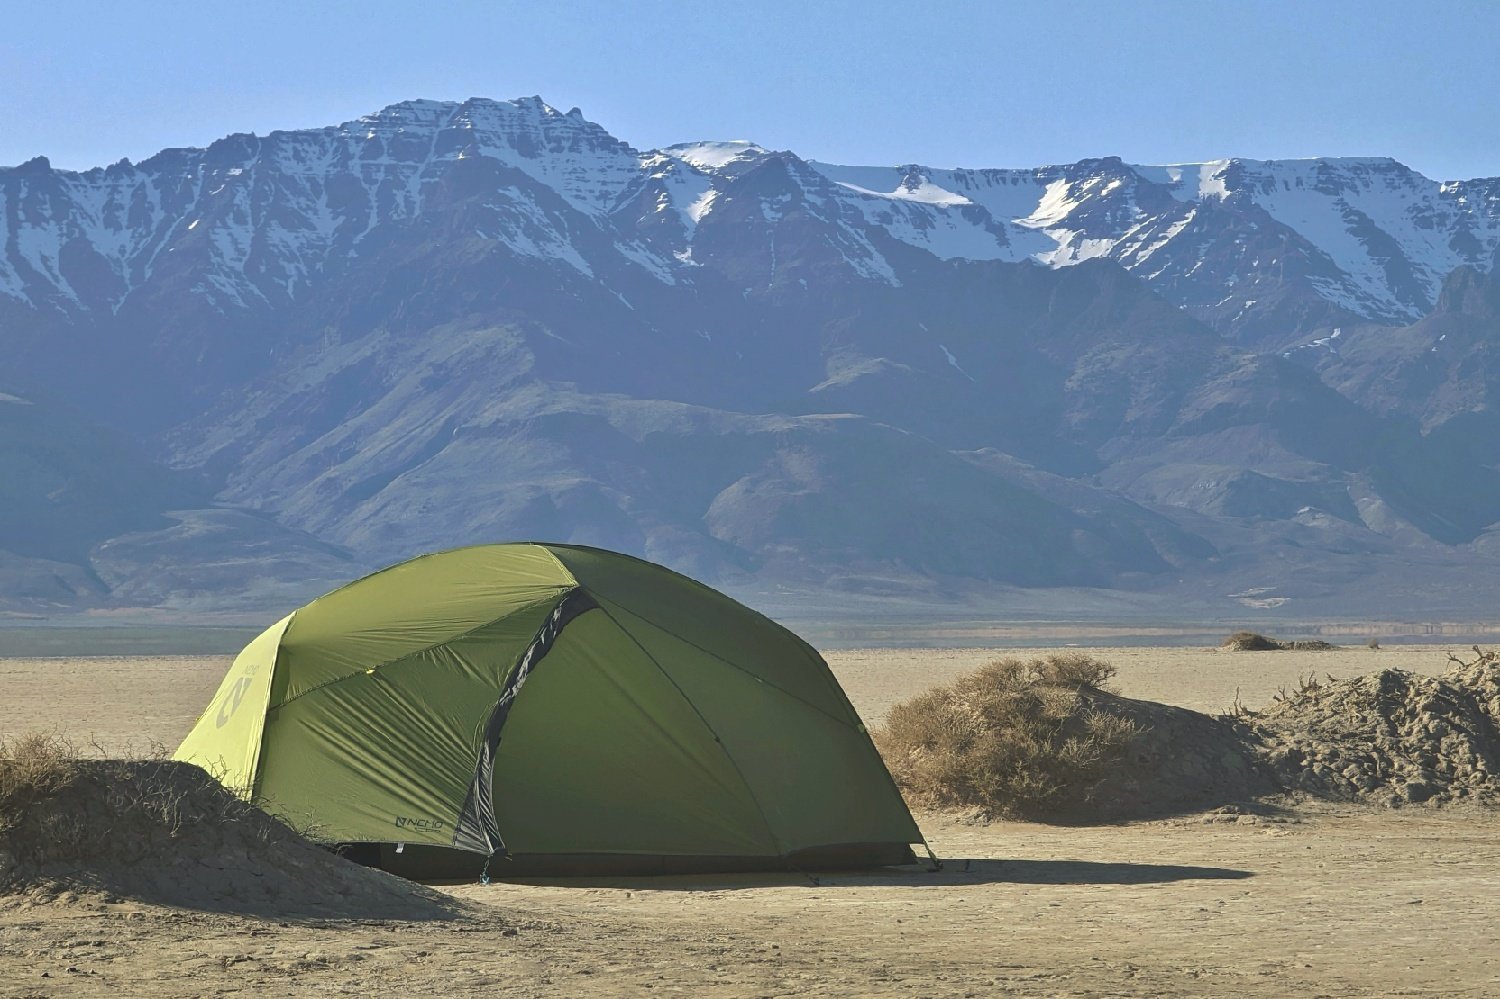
x,y
1417,792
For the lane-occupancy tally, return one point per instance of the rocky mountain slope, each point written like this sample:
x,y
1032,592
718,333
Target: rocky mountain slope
x,y
446,323
254,222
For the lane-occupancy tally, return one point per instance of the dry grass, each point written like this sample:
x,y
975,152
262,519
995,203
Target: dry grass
x,y
32,767
56,807
1013,739
168,833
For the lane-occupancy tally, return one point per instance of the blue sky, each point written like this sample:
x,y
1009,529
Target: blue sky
x,y
946,84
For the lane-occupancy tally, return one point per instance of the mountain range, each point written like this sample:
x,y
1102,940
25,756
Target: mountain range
x,y
238,375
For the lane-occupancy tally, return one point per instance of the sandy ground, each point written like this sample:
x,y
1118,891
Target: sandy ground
x,y
1321,902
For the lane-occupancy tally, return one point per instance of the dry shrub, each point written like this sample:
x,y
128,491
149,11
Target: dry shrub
x,y
1250,641
32,767
56,807
1015,738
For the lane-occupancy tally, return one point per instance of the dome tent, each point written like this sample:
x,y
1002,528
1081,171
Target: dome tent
x,y
568,708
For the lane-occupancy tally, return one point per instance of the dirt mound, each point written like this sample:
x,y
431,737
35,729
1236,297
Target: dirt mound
x,y
1042,740
169,834
1250,641
1179,761
1480,679
1390,737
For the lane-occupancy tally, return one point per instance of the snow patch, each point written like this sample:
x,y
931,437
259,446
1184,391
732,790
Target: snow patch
x,y
954,362
906,184
638,253
1321,344
1190,181
1055,206
702,205
715,155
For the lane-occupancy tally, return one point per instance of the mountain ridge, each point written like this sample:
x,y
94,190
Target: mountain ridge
x,y
458,321
1057,215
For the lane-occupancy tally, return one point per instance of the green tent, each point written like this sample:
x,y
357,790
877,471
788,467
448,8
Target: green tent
x,y
565,708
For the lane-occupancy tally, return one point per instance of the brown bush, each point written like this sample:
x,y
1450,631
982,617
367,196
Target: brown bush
x,y
1250,641
1013,739
32,767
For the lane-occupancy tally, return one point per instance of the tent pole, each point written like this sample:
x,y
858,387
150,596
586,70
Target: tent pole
x,y
937,865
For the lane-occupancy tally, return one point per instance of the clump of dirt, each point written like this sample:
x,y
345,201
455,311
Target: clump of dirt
x,y
1044,739
1481,679
1180,761
167,833
1390,737
1250,641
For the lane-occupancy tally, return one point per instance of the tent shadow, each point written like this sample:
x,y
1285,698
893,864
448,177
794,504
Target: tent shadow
x,y
1079,872
954,873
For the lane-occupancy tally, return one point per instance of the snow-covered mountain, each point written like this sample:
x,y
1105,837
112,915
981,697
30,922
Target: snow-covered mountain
x,y
258,220
451,322
1368,236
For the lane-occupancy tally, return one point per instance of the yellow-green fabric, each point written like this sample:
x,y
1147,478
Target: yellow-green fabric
x,y
653,716
657,781
226,739
387,755
815,743
412,606
706,618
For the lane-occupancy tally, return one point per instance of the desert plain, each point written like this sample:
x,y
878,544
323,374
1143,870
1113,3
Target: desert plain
x,y
1304,899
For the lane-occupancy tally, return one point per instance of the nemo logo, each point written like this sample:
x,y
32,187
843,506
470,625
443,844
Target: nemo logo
x,y
232,701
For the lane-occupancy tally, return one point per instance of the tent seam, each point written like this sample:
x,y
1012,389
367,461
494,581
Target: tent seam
x,y
446,551
754,676
696,584
811,654
417,652
559,562
754,798
253,784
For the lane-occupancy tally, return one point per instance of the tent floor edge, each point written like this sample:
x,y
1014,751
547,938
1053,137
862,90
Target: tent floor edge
x,y
419,862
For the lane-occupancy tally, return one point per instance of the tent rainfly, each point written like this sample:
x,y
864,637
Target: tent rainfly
x,y
568,709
